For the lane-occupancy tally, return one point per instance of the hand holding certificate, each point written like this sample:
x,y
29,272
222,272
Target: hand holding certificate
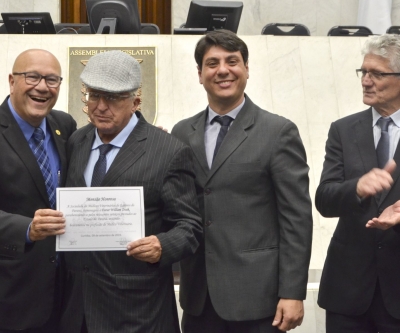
x,y
100,218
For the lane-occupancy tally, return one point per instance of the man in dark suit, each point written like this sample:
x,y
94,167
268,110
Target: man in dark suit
x,y
28,266
250,273
132,291
359,286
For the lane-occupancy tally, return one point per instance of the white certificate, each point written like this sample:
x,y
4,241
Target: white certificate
x,y
100,218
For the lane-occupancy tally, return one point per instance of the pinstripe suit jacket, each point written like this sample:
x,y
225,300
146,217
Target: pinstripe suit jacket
x,y
117,293
257,214
27,272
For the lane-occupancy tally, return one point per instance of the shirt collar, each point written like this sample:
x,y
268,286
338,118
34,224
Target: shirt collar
x,y
27,129
233,113
120,139
395,117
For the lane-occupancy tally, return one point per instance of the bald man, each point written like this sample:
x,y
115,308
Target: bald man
x,y
32,165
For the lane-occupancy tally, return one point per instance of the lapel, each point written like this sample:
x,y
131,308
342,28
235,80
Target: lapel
x,y
235,136
130,152
13,135
196,141
82,152
365,140
60,145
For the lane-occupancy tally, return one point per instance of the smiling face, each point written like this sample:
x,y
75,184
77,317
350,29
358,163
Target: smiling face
x,y
33,103
383,93
224,76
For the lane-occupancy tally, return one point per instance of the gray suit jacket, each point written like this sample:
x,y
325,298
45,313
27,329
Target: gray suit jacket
x,y
257,215
357,257
117,293
27,271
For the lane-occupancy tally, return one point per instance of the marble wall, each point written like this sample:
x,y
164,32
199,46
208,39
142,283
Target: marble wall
x,y
310,80
318,15
52,6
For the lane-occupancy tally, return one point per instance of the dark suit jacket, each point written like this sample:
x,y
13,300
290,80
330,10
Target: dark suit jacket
x,y
357,257
257,214
118,293
27,272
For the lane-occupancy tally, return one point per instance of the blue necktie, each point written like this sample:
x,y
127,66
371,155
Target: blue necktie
x,y
37,144
100,167
382,149
225,121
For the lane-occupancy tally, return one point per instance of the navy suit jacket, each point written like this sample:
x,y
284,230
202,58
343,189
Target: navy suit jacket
x,y
27,272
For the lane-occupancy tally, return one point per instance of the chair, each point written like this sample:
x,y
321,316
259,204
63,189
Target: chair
x,y
71,28
350,31
297,29
149,28
394,29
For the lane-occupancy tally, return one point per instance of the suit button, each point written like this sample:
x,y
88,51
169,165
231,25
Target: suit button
x,y
207,191
7,247
86,268
208,223
380,245
52,259
14,248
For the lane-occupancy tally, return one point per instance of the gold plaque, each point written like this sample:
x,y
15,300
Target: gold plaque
x,y
79,56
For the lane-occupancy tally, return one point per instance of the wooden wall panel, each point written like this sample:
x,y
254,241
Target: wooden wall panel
x,y
151,11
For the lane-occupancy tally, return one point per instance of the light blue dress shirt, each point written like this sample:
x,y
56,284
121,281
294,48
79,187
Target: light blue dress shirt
x,y
117,143
211,130
393,130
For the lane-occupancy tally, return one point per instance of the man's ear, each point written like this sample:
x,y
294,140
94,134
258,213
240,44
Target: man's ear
x,y
135,104
199,74
11,82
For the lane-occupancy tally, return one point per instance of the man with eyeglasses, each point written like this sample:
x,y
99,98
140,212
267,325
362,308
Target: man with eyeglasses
x,y
129,291
32,165
360,287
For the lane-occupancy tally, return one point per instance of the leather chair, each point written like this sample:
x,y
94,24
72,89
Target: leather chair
x,y
394,29
350,31
296,29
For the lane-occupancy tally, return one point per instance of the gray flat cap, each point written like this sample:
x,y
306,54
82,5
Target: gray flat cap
x,y
112,71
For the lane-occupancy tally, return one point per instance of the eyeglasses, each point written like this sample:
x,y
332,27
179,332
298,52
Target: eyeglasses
x,y
372,75
94,97
33,79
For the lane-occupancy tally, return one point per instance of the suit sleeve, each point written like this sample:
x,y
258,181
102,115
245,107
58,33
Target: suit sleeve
x,y
180,210
13,228
290,177
336,195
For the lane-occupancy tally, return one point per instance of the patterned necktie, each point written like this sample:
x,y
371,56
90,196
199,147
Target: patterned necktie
x,y
100,167
382,149
37,143
225,122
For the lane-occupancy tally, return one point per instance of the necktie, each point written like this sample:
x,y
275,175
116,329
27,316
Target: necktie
x,y
382,149
37,143
100,167
225,122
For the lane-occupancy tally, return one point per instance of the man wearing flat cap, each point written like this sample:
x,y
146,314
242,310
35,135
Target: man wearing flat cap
x,y
129,291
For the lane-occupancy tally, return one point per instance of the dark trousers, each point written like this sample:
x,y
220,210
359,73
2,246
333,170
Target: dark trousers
x,y
376,319
210,322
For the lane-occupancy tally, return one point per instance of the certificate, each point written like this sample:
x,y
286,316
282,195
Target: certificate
x,y
100,218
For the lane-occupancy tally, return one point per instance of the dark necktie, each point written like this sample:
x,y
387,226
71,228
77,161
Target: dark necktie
x,y
37,143
382,149
100,167
225,122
